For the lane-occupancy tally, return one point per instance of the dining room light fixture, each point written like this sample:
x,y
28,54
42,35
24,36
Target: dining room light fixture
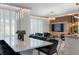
x,y
21,12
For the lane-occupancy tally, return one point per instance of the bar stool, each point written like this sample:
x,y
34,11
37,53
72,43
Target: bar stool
x,y
50,49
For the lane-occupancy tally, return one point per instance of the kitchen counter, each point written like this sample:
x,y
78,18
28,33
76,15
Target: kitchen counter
x,y
19,46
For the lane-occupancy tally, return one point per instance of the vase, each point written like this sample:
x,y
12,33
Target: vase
x,y
21,37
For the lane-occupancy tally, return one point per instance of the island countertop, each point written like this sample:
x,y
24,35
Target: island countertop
x,y
18,45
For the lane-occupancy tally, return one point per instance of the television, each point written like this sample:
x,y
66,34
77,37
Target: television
x,y
57,27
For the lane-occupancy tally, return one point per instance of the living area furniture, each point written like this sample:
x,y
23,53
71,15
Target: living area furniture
x,y
50,49
62,36
40,36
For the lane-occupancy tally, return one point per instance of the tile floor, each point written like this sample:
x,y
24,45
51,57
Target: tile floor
x,y
71,46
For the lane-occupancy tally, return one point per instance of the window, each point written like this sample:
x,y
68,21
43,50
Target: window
x,y
7,24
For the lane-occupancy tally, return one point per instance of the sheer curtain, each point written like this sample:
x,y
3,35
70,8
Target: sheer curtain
x,y
7,24
39,25
36,25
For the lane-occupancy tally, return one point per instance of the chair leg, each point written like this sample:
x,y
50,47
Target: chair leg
x,y
57,52
38,52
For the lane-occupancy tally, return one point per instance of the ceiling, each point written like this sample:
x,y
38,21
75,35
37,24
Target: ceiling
x,y
48,9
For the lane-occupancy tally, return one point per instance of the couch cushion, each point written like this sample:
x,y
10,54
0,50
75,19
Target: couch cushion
x,y
46,34
38,34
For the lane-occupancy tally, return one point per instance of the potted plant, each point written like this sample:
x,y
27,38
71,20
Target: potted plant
x,y
21,34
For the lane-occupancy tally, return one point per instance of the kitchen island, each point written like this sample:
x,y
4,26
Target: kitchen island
x,y
29,44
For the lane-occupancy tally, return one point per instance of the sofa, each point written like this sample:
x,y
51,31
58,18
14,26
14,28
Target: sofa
x,y
41,36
